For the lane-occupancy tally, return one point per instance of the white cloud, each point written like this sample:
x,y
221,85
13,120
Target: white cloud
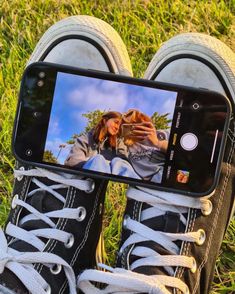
x,y
106,96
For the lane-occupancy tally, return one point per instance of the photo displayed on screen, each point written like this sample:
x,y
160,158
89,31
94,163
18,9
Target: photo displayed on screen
x,y
109,127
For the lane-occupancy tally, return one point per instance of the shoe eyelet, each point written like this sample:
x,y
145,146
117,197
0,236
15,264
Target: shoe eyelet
x,y
202,237
70,241
56,269
125,219
92,188
194,267
19,178
48,289
13,205
81,213
209,210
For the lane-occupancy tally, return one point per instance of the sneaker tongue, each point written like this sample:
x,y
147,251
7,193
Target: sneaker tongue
x,y
44,202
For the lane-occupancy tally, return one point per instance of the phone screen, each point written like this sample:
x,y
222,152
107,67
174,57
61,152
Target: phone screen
x,y
128,130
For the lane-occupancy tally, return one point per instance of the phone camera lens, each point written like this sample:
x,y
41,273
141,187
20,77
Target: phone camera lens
x,y
42,74
195,106
28,152
40,83
37,114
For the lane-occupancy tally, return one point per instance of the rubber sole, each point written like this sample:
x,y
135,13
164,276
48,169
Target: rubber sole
x,y
205,49
90,30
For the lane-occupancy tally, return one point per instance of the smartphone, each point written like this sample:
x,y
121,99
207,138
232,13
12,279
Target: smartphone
x,y
74,120
127,129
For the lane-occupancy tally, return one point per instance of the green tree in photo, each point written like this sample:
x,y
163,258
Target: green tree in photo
x,y
49,157
93,117
71,141
161,121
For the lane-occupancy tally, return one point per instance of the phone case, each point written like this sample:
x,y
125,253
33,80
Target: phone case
x,y
125,131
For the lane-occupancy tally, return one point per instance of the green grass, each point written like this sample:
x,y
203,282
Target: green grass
x,y
143,25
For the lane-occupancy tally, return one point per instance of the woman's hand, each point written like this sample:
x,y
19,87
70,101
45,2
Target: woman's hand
x,y
147,131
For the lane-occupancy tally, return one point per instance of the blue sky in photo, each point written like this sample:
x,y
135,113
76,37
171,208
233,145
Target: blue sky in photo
x,y
75,95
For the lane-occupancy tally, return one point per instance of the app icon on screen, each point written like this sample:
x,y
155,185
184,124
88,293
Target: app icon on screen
x,y
182,176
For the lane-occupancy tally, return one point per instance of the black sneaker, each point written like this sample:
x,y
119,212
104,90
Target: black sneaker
x,y
55,221
169,241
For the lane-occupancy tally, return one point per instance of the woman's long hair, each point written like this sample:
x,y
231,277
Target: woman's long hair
x,y
133,116
100,132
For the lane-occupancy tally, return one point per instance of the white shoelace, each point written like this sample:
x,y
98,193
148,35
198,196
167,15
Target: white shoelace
x,y
125,280
21,263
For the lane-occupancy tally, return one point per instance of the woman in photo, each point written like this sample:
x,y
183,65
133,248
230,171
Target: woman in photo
x,y
146,148
96,149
